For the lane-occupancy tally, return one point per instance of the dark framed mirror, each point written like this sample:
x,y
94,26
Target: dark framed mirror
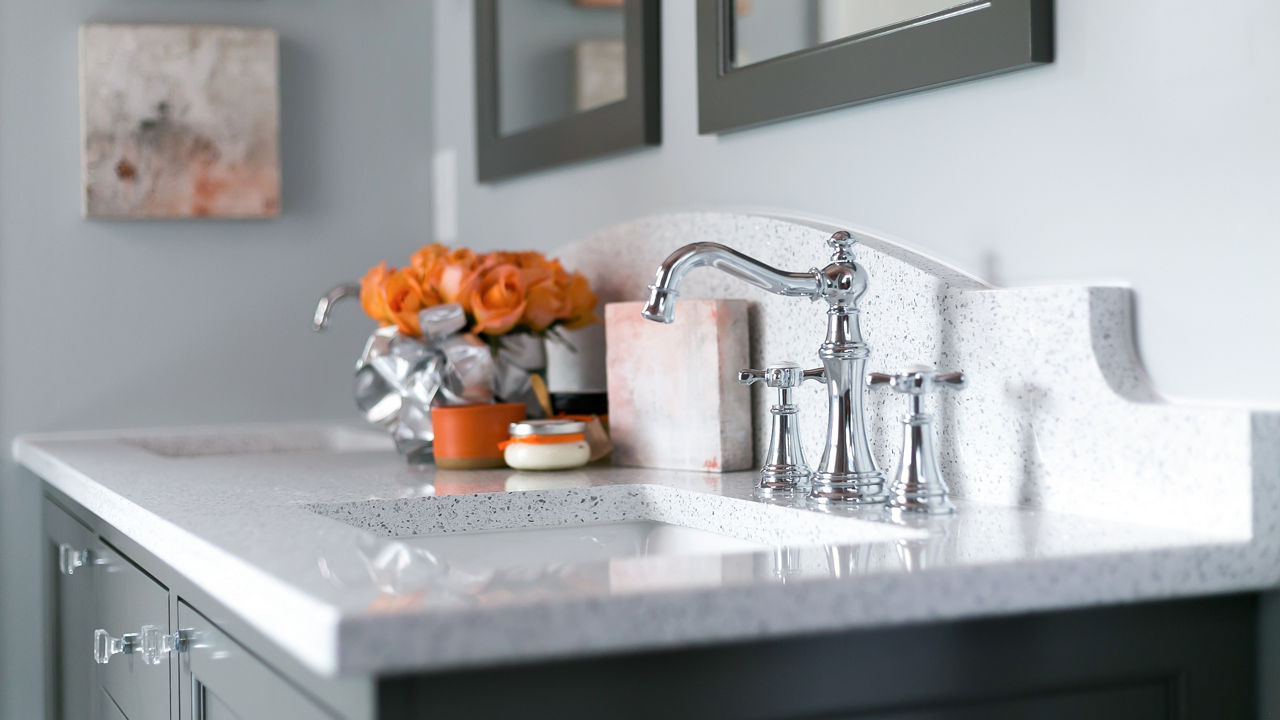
x,y
563,80
766,60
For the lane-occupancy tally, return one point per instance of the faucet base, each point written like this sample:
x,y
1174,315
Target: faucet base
x,y
783,479
854,488
932,503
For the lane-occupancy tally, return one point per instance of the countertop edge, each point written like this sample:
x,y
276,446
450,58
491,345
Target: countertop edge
x,y
317,650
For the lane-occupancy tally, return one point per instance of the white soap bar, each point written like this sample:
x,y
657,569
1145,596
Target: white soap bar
x,y
674,399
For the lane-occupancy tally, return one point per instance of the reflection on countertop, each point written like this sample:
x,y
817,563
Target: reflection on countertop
x,y
342,554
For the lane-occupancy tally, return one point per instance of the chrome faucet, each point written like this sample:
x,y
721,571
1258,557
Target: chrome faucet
x,y
328,300
847,472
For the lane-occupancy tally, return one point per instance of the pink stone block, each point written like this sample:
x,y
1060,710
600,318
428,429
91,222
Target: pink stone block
x,y
674,399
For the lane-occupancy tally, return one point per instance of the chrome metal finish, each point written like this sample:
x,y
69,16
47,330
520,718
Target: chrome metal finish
x,y
917,485
847,472
784,470
662,293
526,428
326,303
70,558
155,644
105,646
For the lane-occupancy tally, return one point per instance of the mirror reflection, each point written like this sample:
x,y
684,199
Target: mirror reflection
x,y
557,58
764,29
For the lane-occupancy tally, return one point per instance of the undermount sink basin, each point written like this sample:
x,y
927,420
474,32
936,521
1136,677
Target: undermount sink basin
x,y
578,544
189,444
538,528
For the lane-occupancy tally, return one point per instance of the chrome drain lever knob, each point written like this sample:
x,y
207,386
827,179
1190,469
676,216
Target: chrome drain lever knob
x,y
784,467
917,485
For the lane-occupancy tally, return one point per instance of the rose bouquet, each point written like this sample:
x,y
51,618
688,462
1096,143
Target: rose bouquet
x,y
501,292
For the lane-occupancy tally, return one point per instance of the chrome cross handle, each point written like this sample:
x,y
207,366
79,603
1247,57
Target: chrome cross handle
x,y
919,381
917,485
784,468
782,375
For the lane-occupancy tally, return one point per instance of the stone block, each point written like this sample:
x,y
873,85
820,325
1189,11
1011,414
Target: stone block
x,y
674,399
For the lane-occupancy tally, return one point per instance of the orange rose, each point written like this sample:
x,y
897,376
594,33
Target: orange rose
x,y
405,295
372,298
499,290
426,258
454,275
499,257
545,304
531,258
536,268
497,299
581,301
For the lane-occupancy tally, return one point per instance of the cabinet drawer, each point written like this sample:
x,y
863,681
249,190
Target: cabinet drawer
x,y
128,599
218,678
107,708
69,607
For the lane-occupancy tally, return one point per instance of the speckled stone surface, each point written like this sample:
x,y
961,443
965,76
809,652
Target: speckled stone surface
x,y
1058,412
1078,486
310,546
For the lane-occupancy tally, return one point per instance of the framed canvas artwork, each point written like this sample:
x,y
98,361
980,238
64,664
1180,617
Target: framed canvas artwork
x,y
179,121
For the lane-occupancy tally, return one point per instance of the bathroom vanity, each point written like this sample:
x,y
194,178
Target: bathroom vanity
x,y
1108,556
303,573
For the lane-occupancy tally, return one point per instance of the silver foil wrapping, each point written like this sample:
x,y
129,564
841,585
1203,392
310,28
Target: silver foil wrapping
x,y
398,379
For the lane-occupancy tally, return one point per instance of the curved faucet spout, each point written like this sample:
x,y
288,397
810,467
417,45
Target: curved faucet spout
x,y
848,472
336,293
663,292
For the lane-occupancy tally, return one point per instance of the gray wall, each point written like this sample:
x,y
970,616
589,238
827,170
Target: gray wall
x,y
129,323
1147,153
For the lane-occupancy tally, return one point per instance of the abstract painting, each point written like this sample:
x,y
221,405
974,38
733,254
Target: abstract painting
x,y
179,121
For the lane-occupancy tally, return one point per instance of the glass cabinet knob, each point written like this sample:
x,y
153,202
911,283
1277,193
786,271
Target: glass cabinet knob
x,y
156,644
152,644
70,558
105,646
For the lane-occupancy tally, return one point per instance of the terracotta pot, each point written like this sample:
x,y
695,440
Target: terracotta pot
x,y
467,436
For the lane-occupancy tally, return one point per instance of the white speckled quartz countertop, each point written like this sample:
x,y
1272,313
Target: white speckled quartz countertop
x,y
295,529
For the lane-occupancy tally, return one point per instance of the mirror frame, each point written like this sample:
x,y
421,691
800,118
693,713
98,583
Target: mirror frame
x,y
632,122
975,39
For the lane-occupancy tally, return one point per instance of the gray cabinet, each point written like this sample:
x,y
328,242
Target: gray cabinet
x,y
92,588
1185,659
69,601
107,708
218,678
128,600
1188,658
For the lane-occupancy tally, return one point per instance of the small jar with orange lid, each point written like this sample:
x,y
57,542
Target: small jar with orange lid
x,y
547,445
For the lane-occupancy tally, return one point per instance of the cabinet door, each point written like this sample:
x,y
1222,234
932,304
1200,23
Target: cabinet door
x,y
107,708
69,612
129,599
218,679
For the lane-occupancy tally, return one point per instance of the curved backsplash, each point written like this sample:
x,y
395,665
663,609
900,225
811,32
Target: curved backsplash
x,y
1058,411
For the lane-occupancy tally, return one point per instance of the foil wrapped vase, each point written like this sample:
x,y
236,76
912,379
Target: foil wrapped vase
x,y
399,378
